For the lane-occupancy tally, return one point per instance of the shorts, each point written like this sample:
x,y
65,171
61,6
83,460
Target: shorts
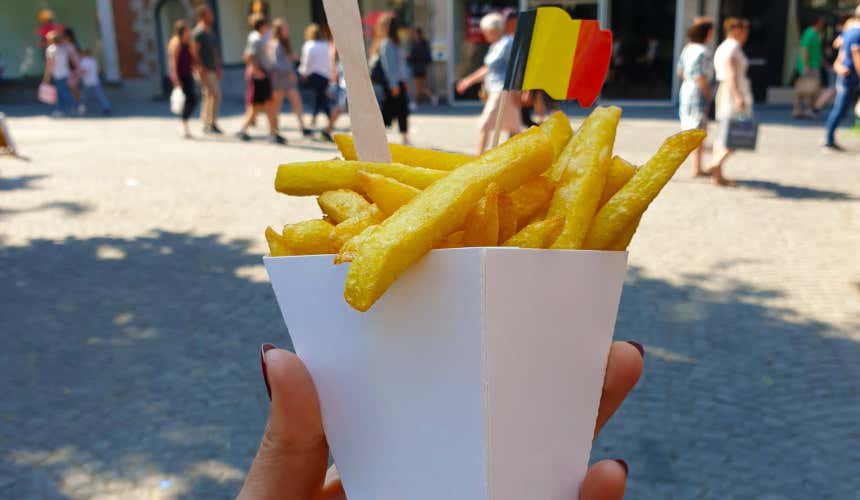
x,y
259,91
337,95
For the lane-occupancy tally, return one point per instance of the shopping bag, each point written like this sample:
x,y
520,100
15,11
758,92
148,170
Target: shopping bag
x,y
47,93
740,132
177,101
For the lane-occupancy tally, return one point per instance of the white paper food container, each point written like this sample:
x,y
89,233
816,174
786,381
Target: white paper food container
x,y
476,376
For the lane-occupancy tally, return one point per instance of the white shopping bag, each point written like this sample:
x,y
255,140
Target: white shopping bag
x,y
177,101
477,376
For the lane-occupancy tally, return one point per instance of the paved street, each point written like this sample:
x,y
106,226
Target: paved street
x,y
133,303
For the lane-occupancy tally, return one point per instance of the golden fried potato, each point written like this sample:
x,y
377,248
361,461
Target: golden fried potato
x,y
453,240
342,204
557,128
408,155
309,237
316,177
531,197
626,237
277,244
348,249
578,196
601,125
482,224
353,226
508,221
539,234
620,171
438,211
631,201
388,194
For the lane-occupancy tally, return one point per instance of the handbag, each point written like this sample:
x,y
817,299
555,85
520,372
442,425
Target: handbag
x,y
740,132
47,93
177,101
808,84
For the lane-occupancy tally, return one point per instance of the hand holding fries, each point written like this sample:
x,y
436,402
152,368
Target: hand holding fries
x,y
544,188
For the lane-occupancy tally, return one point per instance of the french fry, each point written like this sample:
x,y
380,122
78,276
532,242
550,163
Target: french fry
x,y
277,244
316,177
620,171
350,247
353,226
599,129
626,237
342,204
482,224
578,196
408,155
438,211
310,237
453,240
388,194
539,234
557,129
631,201
508,220
531,197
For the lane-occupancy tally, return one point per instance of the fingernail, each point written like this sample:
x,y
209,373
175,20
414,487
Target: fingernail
x,y
263,349
638,347
623,463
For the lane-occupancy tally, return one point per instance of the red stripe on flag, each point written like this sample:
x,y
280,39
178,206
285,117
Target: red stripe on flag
x,y
590,63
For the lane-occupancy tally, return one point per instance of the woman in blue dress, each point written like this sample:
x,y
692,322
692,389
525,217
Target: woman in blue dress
x,y
695,71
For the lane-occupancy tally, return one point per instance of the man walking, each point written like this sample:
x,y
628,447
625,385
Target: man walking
x,y
207,61
848,70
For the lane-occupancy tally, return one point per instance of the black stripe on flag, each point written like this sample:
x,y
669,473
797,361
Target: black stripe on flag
x,y
520,50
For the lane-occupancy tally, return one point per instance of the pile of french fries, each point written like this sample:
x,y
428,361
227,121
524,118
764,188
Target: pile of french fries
x,y
545,188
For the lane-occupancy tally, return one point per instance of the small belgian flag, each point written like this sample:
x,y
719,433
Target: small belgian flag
x,y
567,58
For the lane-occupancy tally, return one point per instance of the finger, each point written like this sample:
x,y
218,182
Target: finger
x,y
606,480
623,369
293,454
333,488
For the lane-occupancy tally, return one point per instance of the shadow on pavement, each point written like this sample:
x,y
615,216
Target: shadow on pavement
x,y
777,190
132,365
69,208
20,182
740,398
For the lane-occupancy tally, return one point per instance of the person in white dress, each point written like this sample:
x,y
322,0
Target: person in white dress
x,y
734,94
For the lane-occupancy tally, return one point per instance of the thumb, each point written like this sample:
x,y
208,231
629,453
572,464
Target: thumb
x,y
293,455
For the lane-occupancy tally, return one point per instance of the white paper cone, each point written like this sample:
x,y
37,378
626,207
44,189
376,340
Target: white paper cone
x,y
476,376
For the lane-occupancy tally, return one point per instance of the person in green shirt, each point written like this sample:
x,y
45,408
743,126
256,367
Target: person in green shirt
x,y
808,68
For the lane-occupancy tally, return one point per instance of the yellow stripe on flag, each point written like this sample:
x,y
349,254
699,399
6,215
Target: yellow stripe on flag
x,y
551,52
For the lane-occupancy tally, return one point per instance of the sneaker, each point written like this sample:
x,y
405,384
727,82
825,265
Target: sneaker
x,y
836,148
307,132
277,139
326,135
242,135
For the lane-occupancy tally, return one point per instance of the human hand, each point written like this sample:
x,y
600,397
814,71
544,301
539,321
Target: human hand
x,y
395,91
463,85
841,70
293,454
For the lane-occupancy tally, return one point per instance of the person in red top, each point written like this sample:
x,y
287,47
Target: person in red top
x,y
181,74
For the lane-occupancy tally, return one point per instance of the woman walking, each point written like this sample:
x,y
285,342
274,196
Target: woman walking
x,y
258,93
181,62
315,68
285,80
387,54
419,60
695,71
58,69
492,73
734,94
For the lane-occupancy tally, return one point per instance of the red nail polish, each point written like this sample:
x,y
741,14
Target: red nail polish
x,y
638,347
623,463
263,349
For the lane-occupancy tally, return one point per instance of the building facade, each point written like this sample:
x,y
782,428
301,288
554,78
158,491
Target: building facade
x,y
130,36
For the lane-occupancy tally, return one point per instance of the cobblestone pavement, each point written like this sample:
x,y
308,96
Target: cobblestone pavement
x,y
133,303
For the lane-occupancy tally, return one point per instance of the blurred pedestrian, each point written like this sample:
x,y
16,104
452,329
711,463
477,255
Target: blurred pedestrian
x,y
492,73
285,79
831,54
181,71
58,69
847,68
734,93
337,89
387,56
695,71
91,83
258,96
45,18
207,61
807,84
315,68
419,60
70,39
